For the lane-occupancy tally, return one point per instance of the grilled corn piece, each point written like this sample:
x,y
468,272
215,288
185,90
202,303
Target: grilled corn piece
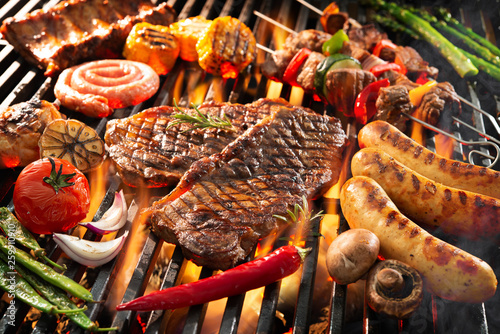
x,y
226,47
73,141
188,32
154,45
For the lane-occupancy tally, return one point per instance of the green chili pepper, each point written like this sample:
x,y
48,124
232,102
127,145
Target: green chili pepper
x,y
13,228
335,43
45,272
18,287
59,298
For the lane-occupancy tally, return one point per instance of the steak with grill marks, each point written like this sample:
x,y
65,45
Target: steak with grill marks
x,y
225,203
146,153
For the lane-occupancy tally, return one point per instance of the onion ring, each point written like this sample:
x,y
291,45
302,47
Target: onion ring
x,y
97,87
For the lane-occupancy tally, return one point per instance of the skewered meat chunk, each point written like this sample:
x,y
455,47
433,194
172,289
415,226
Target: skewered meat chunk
x,y
307,71
343,86
21,126
365,37
411,59
276,63
74,31
396,78
225,203
310,39
440,99
391,102
226,47
146,153
333,19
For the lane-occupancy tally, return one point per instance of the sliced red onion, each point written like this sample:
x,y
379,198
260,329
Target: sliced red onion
x,y
89,253
113,219
371,61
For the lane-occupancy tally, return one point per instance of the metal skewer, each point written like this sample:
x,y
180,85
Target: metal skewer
x,y
495,144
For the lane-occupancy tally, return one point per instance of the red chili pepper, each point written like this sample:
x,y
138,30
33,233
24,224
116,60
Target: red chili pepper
x,y
398,61
292,70
248,276
364,107
377,70
382,44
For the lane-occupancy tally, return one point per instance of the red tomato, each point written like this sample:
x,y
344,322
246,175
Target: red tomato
x,y
48,199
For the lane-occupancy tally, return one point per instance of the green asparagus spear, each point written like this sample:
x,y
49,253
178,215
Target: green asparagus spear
x,y
472,44
14,229
457,59
395,26
45,272
15,285
446,16
483,65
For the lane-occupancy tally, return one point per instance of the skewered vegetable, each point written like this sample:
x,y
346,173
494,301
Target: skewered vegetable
x,y
73,141
248,276
14,229
332,62
45,272
51,195
335,43
226,47
364,106
292,70
154,45
457,59
188,32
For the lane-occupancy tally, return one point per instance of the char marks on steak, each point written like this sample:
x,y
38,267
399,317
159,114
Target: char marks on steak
x,y
74,31
146,153
225,203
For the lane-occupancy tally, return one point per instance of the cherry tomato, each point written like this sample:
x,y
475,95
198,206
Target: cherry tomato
x,y
51,195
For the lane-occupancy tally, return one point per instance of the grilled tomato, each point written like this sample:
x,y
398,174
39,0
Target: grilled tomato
x,y
51,195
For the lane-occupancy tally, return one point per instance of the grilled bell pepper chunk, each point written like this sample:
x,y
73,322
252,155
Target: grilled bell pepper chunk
x,y
226,47
377,70
416,94
292,70
154,45
382,44
188,32
364,107
335,43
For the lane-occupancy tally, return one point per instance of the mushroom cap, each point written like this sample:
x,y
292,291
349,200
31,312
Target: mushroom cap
x,y
390,296
351,255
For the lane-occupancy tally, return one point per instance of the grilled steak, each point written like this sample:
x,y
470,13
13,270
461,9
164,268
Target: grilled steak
x,y
74,31
225,203
148,154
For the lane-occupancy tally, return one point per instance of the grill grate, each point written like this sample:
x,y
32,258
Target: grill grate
x,y
20,82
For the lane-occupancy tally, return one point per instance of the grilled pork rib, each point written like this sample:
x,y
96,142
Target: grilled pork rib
x,y
225,203
74,31
148,154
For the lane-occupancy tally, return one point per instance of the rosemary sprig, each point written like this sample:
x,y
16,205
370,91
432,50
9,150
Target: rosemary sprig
x,y
301,215
200,121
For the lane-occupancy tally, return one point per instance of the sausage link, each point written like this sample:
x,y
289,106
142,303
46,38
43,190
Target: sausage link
x,y
449,172
448,271
458,212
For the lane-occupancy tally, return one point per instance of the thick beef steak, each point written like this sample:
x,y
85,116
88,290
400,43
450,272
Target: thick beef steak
x,y
146,153
225,203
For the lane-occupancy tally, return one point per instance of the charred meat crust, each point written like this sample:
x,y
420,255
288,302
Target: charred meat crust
x,y
146,153
74,31
225,203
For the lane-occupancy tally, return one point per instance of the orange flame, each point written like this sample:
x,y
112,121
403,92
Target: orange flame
x,y
444,145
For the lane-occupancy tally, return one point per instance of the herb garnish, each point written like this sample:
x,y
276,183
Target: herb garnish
x,y
200,121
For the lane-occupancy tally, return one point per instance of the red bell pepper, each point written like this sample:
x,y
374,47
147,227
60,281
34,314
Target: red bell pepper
x,y
292,70
364,107
382,44
377,70
248,276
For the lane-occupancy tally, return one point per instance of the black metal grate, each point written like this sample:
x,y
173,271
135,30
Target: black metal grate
x,y
20,82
